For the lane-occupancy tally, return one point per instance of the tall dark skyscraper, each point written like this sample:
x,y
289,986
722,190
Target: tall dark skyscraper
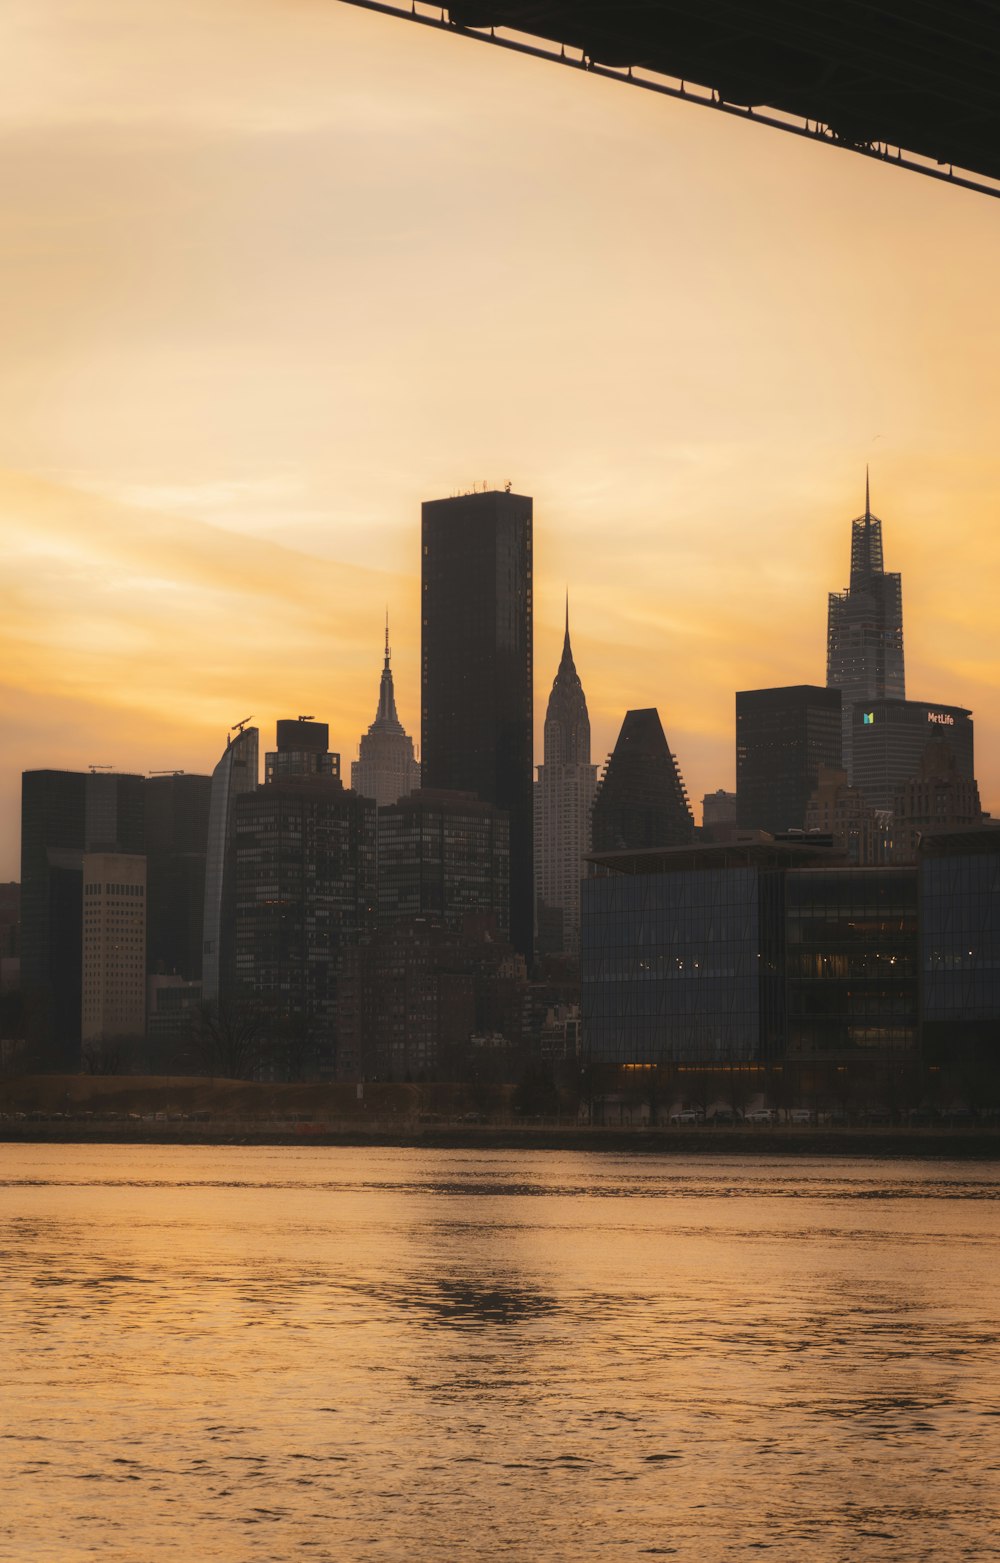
x,y
300,888
235,774
476,719
176,842
864,647
783,737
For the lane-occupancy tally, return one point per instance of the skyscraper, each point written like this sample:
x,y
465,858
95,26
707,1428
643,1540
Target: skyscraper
x,y
783,739
476,668
443,854
301,871
385,768
564,798
63,815
641,799
889,740
114,947
864,646
177,810
235,774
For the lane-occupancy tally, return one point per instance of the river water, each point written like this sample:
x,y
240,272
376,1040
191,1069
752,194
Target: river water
x,y
356,1354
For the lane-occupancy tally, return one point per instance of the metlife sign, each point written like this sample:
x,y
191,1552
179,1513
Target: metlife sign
x,y
941,718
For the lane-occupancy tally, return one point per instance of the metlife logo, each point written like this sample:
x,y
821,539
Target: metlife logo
x,y
939,718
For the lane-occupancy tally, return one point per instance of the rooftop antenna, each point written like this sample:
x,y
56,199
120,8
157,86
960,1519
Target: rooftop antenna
x,y
868,503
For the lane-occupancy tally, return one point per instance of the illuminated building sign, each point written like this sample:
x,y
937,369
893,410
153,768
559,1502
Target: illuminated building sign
x,y
941,718
868,717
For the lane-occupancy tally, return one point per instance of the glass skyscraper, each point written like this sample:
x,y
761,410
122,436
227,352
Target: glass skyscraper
x,y
235,773
864,646
476,668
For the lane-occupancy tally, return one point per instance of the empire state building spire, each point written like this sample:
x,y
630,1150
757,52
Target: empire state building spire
x,y
386,718
385,769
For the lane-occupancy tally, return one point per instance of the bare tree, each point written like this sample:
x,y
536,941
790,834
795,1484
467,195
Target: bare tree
x,y
227,1038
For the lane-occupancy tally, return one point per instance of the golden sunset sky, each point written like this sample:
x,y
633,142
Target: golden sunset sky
x,y
275,271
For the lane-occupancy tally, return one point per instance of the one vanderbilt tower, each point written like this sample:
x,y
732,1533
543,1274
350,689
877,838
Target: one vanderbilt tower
x,y
476,717
864,647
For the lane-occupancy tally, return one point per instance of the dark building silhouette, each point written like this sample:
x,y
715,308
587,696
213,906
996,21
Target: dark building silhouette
x,y
63,815
443,854
303,749
891,736
301,861
959,874
419,994
783,737
564,800
177,809
718,815
864,649
476,668
235,774
938,798
386,768
841,812
641,798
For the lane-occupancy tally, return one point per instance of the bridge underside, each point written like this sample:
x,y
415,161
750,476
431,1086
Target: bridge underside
x,y
908,81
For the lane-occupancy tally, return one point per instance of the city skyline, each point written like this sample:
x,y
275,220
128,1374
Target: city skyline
x,y
214,455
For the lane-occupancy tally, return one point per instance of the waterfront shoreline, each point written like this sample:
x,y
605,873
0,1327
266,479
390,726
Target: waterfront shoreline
x,y
966,1144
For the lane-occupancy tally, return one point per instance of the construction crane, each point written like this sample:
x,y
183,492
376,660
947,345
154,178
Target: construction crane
x,y
238,727
165,773
95,768
306,719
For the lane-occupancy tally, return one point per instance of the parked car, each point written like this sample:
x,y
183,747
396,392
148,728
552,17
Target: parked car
x,y
759,1115
799,1115
688,1115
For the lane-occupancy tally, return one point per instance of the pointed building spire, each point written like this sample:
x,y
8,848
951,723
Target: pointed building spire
x,y
566,641
868,502
387,636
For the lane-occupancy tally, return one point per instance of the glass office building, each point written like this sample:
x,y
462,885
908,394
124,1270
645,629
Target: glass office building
x,y
235,774
680,956
960,943
740,954
850,958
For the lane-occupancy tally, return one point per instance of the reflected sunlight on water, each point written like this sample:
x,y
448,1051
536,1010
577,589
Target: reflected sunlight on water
x,y
360,1354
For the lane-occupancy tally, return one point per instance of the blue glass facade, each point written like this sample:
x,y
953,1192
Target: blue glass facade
x,y
681,966
960,942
